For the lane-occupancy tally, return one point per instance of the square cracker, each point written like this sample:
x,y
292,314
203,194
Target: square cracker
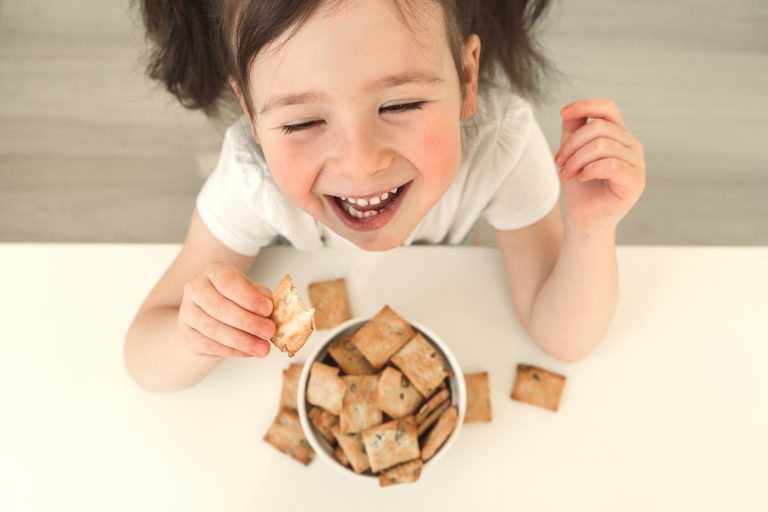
x,y
293,320
358,411
432,418
340,455
289,390
395,395
441,431
422,363
286,435
331,303
354,449
325,388
538,387
432,404
478,398
351,361
402,473
391,443
323,421
382,336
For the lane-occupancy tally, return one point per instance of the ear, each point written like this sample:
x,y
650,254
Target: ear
x,y
244,107
470,76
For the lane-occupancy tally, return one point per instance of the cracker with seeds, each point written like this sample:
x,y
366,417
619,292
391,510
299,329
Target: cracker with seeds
x,y
402,473
326,388
290,387
537,386
353,448
395,395
351,361
439,433
478,398
331,303
382,336
391,443
433,403
293,320
432,418
358,411
286,435
323,421
422,363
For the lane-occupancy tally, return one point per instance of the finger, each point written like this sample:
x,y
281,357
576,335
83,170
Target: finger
x,y
233,284
589,132
623,177
570,126
593,108
595,150
225,334
201,344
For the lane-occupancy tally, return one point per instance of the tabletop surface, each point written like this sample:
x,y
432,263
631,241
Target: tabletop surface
x,y
669,412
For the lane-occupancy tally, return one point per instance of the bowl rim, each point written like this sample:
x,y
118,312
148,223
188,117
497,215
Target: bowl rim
x,y
459,395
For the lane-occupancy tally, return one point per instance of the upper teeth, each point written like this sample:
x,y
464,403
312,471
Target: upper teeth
x,y
371,200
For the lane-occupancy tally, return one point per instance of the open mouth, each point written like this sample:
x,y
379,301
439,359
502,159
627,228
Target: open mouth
x,y
371,212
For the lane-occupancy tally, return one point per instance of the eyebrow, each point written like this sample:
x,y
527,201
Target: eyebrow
x,y
372,86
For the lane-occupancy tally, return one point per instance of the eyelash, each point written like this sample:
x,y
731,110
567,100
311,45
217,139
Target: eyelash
x,y
417,105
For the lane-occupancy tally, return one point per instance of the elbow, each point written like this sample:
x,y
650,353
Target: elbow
x,y
570,350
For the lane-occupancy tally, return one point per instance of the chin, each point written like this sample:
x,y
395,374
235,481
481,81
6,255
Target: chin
x,y
378,242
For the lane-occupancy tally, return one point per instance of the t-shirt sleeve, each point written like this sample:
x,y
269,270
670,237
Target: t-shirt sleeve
x,y
531,187
229,199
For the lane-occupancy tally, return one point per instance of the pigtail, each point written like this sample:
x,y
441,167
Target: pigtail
x,y
186,54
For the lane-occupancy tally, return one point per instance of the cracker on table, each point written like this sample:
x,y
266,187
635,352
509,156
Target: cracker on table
x,y
290,387
286,435
354,449
325,388
340,455
395,395
537,386
391,443
358,411
402,473
382,336
432,404
323,421
432,418
478,398
422,363
331,303
439,433
351,361
293,320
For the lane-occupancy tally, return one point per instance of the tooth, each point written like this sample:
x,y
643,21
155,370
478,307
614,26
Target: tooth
x,y
384,196
393,190
373,212
375,200
359,214
362,202
352,200
343,198
366,214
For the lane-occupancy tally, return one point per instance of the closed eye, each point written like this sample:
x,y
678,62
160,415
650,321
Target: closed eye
x,y
417,105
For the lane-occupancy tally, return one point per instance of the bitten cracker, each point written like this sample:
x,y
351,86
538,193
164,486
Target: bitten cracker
x,y
286,435
331,303
402,473
395,395
293,320
432,404
440,433
478,398
351,361
391,443
358,411
323,421
422,363
289,390
354,449
326,388
382,336
538,387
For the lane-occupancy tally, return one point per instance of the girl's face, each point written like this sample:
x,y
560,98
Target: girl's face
x,y
359,118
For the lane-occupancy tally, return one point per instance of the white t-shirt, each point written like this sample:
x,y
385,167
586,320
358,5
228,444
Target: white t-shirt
x,y
506,174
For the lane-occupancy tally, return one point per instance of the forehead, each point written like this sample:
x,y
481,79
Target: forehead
x,y
342,47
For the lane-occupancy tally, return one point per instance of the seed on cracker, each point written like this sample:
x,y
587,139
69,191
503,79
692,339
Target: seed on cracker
x,y
331,303
432,404
537,386
395,395
288,392
293,320
402,473
478,398
358,411
382,336
286,435
323,421
439,433
391,443
422,363
325,388
354,449
351,361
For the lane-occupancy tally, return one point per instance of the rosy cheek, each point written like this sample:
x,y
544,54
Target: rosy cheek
x,y
440,150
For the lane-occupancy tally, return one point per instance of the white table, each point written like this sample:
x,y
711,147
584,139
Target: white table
x,y
669,413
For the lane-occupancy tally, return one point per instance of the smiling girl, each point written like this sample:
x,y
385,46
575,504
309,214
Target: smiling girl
x,y
375,124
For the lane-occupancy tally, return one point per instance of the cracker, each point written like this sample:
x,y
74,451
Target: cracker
x,y
478,398
402,473
382,336
537,386
331,303
340,455
293,320
358,411
391,443
422,363
351,361
286,435
323,421
440,433
326,388
432,418
395,395
289,390
354,449
433,403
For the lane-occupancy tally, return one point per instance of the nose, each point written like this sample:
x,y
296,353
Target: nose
x,y
361,150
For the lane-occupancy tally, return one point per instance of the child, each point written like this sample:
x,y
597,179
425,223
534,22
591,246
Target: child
x,y
378,123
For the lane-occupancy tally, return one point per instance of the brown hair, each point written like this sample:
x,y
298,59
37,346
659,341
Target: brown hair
x,y
198,44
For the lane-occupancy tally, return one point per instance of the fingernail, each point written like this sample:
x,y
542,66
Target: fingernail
x,y
558,160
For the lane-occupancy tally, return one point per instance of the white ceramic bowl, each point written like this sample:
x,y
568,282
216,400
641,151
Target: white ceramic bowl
x,y
320,352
